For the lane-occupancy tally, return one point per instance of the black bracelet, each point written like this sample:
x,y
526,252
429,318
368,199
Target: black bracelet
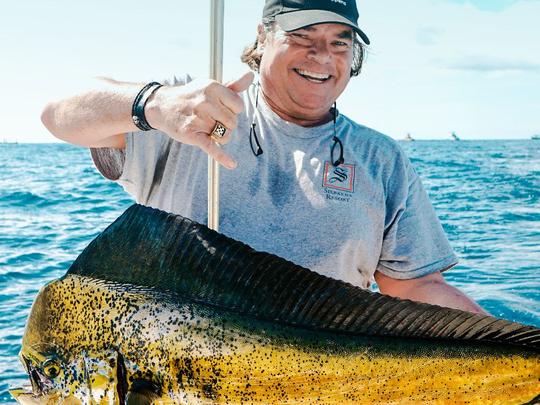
x,y
137,109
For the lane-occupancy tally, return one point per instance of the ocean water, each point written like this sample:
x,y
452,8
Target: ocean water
x,y
486,193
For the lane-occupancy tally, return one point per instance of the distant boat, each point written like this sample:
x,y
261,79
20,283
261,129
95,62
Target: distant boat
x,y
536,137
455,137
408,137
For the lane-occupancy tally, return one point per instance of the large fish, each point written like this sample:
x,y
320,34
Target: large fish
x,y
159,309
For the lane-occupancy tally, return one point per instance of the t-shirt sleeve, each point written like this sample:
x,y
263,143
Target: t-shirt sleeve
x,y
138,168
414,243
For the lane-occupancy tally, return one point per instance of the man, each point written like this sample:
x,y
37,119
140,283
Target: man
x,y
311,185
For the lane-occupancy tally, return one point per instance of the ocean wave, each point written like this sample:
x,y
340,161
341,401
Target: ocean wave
x,y
25,199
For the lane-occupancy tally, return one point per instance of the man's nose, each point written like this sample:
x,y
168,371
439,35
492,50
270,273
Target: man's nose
x,y
320,52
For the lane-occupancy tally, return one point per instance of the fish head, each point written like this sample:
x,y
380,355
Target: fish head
x,y
63,363
85,378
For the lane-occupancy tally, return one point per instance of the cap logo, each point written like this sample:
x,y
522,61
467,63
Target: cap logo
x,y
342,2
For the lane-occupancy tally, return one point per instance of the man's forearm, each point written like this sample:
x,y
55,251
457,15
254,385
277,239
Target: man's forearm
x,y
431,289
90,118
443,294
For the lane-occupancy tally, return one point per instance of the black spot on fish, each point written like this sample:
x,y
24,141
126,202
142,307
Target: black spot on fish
x,y
185,375
210,389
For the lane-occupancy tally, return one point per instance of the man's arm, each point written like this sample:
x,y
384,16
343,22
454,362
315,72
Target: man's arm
x,y
97,117
101,117
432,289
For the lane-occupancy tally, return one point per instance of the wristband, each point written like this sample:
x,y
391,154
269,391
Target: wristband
x,y
137,109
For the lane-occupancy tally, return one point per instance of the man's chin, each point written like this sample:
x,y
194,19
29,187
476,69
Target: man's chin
x,y
314,116
315,106
316,97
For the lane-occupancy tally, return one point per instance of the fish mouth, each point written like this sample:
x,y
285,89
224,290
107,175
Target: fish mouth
x,y
36,385
24,395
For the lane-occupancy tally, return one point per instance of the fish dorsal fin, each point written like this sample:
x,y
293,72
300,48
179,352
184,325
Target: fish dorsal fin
x,y
152,248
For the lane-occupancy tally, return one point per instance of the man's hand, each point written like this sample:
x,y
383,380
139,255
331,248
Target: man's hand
x,y
189,113
431,289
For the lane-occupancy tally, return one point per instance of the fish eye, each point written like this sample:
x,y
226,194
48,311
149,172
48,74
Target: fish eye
x,y
51,368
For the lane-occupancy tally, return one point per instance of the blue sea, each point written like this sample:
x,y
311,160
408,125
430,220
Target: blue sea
x,y
486,193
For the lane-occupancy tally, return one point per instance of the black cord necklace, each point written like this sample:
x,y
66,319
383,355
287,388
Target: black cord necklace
x,y
252,132
256,146
337,141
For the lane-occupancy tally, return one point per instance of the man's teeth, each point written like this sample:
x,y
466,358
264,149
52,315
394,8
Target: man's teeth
x,y
313,75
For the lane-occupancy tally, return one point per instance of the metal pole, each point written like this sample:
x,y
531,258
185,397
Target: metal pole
x,y
216,73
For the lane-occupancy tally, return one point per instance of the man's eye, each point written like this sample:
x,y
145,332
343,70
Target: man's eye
x,y
300,37
341,43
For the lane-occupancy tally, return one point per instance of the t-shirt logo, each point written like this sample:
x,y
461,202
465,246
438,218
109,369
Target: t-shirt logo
x,y
339,178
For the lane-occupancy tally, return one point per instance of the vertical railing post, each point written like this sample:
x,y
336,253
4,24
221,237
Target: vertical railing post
x,y
216,73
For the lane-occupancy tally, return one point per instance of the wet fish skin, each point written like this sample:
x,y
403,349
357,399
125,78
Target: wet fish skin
x,y
161,309
193,353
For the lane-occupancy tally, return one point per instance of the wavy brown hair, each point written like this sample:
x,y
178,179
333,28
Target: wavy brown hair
x,y
252,55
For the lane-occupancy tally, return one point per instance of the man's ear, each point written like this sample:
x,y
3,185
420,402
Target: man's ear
x,y
261,37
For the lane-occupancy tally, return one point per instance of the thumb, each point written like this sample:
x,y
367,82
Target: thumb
x,y
241,84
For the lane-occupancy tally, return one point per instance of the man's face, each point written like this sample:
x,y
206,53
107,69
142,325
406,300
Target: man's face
x,y
303,72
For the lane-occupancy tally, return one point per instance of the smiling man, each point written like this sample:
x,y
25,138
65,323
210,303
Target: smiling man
x,y
309,184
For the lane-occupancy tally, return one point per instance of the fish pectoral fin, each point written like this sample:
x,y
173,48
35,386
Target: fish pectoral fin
x,y
142,392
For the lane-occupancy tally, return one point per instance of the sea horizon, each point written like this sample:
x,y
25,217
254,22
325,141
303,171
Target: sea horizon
x,y
53,142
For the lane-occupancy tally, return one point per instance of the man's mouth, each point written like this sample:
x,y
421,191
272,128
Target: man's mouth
x,y
312,76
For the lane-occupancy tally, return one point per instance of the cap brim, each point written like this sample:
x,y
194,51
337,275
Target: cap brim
x,y
295,20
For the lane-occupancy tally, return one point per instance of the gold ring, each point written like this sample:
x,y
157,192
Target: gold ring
x,y
218,132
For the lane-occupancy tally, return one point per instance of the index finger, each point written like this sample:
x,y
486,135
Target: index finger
x,y
231,100
238,86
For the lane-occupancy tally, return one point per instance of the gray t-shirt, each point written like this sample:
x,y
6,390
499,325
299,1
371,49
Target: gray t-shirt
x,y
370,213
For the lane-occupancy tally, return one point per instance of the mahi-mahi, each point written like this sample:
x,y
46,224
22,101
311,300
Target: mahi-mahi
x,y
160,309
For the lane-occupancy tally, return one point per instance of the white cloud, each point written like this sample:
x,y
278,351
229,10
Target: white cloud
x,y
488,65
489,5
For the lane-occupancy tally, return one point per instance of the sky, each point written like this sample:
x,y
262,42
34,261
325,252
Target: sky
x,y
433,66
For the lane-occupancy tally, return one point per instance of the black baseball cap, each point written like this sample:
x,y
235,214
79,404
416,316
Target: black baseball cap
x,y
294,14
